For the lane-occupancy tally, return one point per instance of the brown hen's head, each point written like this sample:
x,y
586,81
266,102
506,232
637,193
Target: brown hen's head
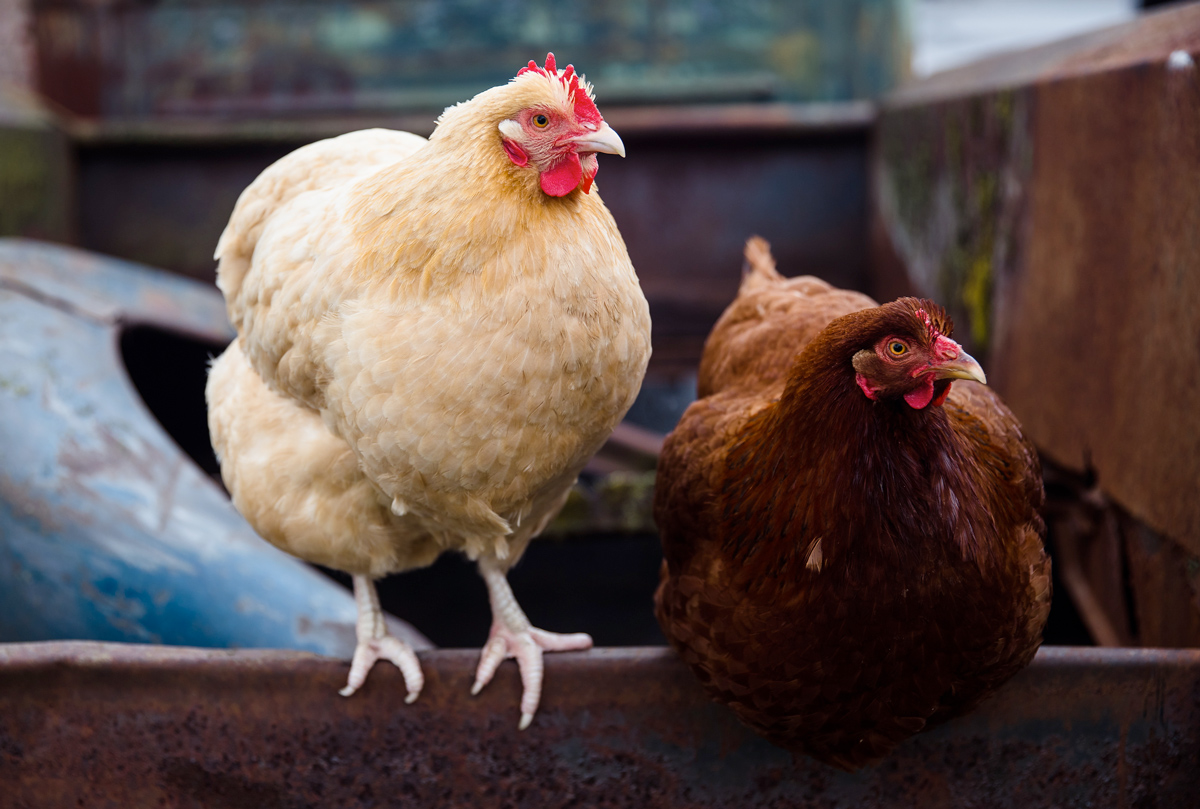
x,y
557,130
908,354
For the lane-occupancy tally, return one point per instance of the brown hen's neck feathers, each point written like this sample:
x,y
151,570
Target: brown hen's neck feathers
x,y
838,478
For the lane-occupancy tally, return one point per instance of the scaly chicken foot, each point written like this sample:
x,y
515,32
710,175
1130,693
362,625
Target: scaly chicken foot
x,y
513,636
375,643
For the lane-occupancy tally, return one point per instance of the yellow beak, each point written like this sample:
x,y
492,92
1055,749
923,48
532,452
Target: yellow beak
x,y
605,139
964,367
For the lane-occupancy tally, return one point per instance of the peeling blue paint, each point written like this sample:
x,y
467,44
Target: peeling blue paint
x,y
107,530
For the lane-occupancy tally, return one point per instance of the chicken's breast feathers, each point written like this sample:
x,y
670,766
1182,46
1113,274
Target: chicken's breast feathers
x,y
318,166
298,484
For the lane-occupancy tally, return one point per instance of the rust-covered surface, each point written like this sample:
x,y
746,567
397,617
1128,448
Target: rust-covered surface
x,y
107,725
1051,198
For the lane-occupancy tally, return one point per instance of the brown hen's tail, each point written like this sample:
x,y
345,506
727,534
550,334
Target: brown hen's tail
x,y
759,268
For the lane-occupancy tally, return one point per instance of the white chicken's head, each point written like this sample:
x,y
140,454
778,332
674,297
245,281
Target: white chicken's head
x,y
558,130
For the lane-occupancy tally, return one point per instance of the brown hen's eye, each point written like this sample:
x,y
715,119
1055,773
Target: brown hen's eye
x,y
540,121
897,348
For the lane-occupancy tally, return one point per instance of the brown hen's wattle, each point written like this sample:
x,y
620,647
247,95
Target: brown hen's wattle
x,y
845,571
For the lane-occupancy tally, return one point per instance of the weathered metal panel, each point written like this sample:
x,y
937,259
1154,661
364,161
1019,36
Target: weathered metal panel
x,y
105,725
107,530
1051,199
1164,583
135,58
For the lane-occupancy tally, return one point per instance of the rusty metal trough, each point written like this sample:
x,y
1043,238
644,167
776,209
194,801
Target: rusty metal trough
x,y
99,725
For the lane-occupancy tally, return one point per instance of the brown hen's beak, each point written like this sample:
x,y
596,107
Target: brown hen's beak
x,y
605,139
963,367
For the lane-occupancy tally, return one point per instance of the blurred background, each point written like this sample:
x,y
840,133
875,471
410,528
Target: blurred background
x,y
884,145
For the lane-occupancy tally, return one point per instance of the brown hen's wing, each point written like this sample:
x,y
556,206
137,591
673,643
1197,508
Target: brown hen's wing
x,y
773,318
690,468
744,368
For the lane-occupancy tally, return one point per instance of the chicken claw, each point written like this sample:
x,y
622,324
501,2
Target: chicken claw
x,y
374,643
513,636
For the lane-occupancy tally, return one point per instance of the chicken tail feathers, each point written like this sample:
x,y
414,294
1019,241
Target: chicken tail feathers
x,y
759,268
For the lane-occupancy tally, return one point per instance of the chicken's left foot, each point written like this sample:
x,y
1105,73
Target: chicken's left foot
x,y
513,636
374,644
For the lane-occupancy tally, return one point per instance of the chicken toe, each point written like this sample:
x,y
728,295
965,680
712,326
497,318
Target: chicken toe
x,y
375,643
513,636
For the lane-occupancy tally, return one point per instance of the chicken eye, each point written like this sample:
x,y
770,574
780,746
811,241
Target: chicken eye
x,y
897,348
540,121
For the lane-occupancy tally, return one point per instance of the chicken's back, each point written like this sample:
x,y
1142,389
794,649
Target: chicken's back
x,y
756,340
319,166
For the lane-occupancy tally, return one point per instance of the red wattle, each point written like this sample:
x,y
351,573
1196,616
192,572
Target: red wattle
x,y
590,167
563,178
922,396
941,399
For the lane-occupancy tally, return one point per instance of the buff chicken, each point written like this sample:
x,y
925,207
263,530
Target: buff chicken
x,y
434,336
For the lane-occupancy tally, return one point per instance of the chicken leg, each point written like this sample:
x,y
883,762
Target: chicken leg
x,y
513,636
374,643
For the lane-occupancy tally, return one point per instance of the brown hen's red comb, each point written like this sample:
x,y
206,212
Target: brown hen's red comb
x,y
585,108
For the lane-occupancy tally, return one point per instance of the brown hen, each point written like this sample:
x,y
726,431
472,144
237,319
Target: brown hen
x,y
853,550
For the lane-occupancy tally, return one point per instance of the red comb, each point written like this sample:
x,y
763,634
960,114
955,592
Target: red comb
x,y
935,320
585,108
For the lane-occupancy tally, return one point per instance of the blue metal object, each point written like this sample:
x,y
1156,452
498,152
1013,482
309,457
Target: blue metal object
x,y
108,531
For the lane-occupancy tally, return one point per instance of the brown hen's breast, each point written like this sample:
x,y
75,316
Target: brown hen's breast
x,y
844,664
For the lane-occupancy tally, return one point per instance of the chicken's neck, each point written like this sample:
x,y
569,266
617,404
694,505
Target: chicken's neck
x,y
419,235
839,479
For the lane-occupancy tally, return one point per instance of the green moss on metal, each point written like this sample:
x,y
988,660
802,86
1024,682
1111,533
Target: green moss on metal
x,y
620,502
977,297
946,166
33,184
907,153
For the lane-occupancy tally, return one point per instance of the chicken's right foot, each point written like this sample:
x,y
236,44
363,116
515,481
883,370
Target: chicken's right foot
x,y
374,643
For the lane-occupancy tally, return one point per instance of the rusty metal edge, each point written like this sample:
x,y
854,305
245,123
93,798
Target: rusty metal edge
x,y
1139,41
101,653
778,119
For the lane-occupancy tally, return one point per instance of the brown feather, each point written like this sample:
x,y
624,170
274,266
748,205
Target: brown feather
x,y
843,572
